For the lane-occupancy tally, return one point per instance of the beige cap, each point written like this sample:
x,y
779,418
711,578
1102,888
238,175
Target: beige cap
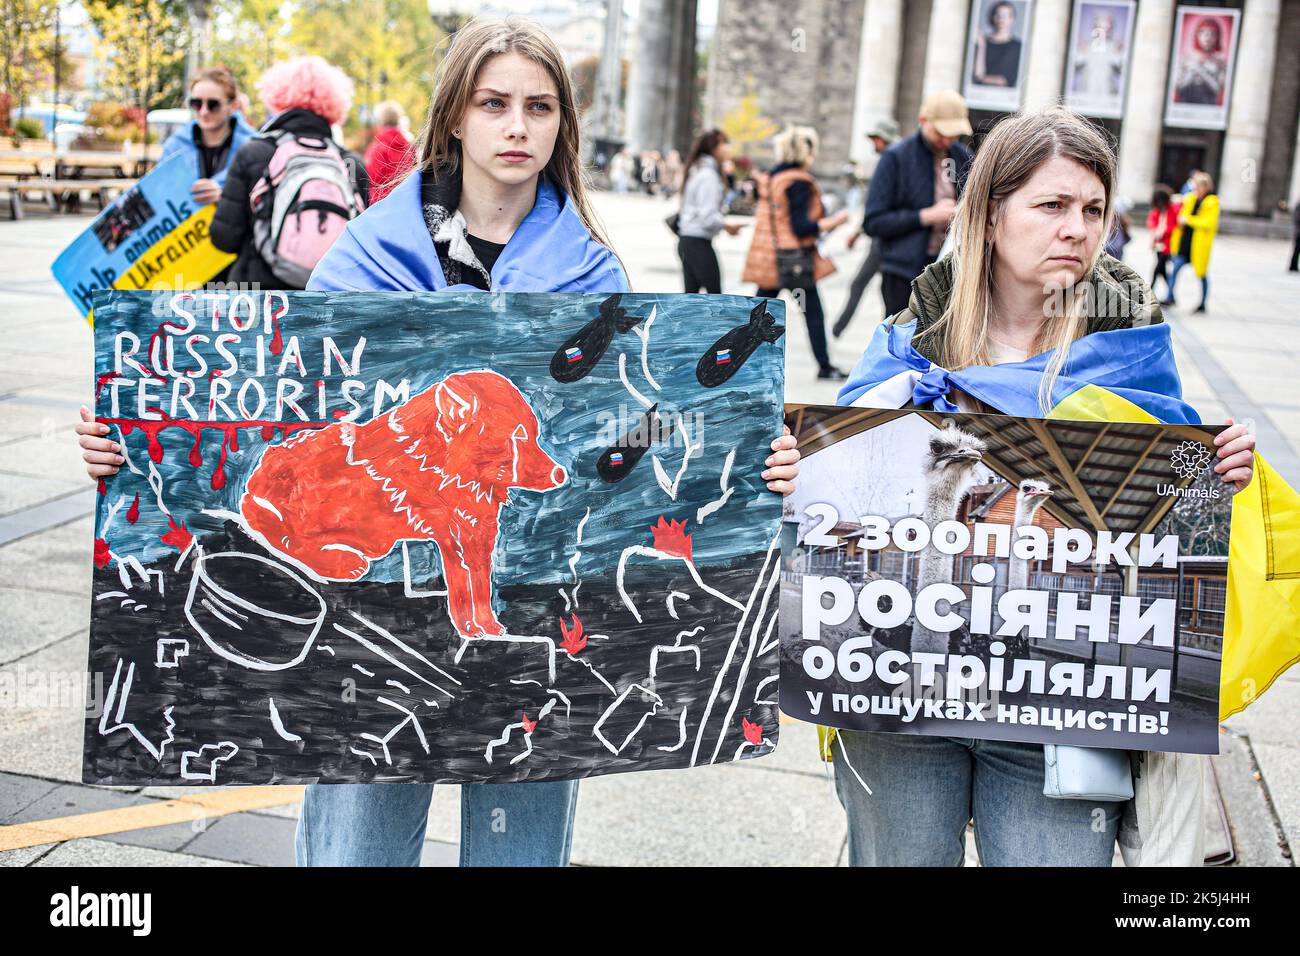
x,y
946,111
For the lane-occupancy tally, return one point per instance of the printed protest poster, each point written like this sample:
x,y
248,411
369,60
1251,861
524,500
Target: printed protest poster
x,y
996,53
153,236
1097,71
433,537
1200,70
1009,579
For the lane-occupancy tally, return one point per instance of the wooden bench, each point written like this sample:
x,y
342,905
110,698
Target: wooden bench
x,y
61,194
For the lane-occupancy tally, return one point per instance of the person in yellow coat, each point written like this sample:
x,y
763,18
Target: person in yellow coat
x,y
1197,223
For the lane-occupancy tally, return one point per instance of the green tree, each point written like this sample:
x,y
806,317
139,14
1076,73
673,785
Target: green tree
x,y
388,47
140,46
26,49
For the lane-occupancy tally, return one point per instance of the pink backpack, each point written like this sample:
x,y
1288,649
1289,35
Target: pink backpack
x,y
301,204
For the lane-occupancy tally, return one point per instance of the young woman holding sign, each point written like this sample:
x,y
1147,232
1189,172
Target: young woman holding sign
x,y
214,135
497,202
1027,280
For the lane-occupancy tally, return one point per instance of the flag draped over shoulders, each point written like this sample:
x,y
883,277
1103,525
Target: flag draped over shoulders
x,y
1128,375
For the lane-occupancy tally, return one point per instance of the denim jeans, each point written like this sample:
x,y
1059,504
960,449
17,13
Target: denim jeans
x,y
1178,263
373,824
926,789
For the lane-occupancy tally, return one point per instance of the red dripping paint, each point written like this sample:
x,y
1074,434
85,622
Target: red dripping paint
x,y
102,554
103,487
277,344
133,512
102,380
219,473
229,440
529,725
340,413
176,536
753,732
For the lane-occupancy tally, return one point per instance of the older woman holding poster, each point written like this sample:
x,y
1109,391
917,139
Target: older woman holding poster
x,y
1009,323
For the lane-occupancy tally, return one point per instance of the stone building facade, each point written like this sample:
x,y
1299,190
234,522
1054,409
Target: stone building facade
x,y
841,65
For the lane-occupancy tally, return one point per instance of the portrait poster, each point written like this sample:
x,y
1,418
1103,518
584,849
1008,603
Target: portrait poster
x,y
1101,36
997,51
1201,67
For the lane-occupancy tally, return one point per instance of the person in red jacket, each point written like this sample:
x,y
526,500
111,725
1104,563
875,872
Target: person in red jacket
x,y
1162,220
390,155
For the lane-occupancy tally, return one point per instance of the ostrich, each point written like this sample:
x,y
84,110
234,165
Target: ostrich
x,y
1030,496
949,468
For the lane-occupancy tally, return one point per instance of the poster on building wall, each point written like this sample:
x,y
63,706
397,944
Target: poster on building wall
x,y
418,537
1002,578
997,50
1201,67
1097,70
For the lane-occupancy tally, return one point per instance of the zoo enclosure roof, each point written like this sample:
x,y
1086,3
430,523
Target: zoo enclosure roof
x,y
1104,474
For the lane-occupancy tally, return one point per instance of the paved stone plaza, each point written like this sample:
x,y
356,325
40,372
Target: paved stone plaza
x,y
1242,359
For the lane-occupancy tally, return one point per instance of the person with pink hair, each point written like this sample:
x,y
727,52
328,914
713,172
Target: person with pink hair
x,y
304,98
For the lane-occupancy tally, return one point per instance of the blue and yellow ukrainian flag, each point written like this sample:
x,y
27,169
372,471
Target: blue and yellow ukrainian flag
x,y
1129,375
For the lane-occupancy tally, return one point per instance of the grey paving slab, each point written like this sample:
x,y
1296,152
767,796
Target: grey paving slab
x,y
73,799
1251,816
15,426
18,792
30,620
105,853
18,491
1280,766
26,856
437,853
55,456
246,838
41,736
46,515
728,815
58,558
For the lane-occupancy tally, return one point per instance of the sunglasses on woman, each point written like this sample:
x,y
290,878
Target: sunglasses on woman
x,y
197,104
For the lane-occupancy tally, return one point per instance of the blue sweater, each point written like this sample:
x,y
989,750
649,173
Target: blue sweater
x,y
388,249
183,141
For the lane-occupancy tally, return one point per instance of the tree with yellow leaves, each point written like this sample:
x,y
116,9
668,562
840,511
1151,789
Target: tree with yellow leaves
x,y
746,125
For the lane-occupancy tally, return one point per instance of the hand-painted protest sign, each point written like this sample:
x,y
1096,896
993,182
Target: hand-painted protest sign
x,y
1003,578
433,537
153,236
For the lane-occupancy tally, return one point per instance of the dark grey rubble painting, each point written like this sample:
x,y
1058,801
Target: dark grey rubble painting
x,y
456,537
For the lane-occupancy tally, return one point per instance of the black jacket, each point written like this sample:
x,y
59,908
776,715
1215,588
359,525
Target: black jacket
x,y
232,224
903,185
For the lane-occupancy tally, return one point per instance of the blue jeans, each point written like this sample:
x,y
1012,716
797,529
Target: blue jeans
x,y
375,824
926,789
1179,262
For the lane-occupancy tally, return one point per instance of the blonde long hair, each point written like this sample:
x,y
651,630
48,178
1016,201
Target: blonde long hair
x,y
1010,154
471,47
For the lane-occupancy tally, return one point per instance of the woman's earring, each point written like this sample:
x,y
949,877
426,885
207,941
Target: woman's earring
x,y
456,133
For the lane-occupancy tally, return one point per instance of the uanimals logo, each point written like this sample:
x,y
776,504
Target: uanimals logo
x,y
1188,460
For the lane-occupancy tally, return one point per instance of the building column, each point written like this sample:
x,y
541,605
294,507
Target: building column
x,y
661,84
1049,42
1144,106
879,53
1243,145
945,47
1293,196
